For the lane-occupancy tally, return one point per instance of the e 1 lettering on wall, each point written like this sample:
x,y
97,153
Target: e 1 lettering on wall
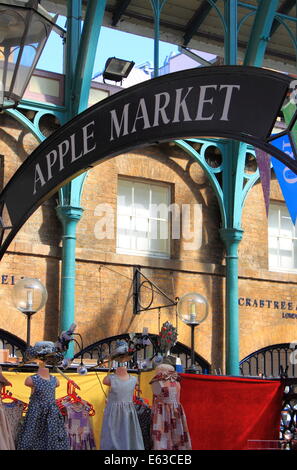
x,y
7,279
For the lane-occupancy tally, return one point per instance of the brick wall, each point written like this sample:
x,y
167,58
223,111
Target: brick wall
x,y
104,278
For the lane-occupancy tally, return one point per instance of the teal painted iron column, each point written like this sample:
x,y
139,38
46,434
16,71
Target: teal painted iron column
x,y
230,235
69,217
81,50
157,6
260,33
231,238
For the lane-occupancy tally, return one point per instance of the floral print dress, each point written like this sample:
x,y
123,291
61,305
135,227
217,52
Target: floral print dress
x,y
43,427
169,429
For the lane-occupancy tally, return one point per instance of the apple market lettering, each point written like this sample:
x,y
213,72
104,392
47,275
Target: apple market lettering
x,y
174,108
181,105
216,101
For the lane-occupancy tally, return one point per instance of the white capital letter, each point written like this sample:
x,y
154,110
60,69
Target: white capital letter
x,y
86,137
63,153
202,101
38,177
228,96
180,103
114,123
50,163
160,110
141,115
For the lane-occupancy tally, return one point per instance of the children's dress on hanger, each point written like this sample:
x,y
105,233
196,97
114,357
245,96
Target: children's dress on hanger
x,y
79,427
120,428
43,427
6,437
14,412
169,429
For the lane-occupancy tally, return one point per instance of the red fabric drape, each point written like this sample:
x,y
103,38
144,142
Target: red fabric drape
x,y
224,413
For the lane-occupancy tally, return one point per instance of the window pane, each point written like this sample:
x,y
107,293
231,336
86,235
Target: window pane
x,y
143,218
124,202
281,244
295,254
123,231
286,261
141,225
160,195
286,227
285,244
285,252
273,220
141,199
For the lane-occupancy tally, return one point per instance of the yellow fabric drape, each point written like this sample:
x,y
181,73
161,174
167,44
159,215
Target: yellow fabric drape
x,y
90,390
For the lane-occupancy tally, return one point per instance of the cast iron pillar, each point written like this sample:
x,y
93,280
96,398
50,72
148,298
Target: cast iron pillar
x,y
69,217
81,49
231,238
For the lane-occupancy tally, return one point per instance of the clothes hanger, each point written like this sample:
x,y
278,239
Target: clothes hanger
x,y
7,395
73,397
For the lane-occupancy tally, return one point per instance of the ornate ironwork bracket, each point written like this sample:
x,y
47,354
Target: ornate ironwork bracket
x,y
140,281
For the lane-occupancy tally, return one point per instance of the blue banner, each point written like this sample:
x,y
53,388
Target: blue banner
x,y
287,178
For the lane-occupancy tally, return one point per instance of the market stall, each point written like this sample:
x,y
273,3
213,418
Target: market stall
x,y
222,412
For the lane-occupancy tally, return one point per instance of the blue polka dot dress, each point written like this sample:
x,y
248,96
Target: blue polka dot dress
x,y
43,427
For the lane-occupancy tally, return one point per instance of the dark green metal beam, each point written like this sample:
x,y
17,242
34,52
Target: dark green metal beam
x,y
197,20
284,9
260,33
119,11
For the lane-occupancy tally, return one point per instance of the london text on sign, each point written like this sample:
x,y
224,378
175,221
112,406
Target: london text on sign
x,y
237,102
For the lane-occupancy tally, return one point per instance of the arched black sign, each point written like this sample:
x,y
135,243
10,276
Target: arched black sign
x,y
240,103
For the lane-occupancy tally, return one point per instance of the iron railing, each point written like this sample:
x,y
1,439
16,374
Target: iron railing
x,y
15,345
271,361
105,346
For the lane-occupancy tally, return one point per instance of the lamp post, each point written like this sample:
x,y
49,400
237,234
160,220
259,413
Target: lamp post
x,y
24,29
29,296
192,309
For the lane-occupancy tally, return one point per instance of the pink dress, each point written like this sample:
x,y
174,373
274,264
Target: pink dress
x,y
169,429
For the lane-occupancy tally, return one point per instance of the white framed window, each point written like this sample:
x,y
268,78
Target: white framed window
x,y
282,239
143,223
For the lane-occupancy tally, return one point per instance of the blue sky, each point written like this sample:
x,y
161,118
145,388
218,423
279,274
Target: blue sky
x,y
112,43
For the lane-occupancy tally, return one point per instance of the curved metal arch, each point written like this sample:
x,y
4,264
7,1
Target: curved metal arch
x,y
273,360
12,342
244,18
283,23
183,144
103,146
220,15
27,123
211,172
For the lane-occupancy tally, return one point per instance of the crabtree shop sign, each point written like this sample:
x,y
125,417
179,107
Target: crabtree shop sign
x,y
240,103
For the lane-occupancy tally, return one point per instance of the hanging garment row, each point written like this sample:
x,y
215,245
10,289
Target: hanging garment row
x,y
45,423
129,423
